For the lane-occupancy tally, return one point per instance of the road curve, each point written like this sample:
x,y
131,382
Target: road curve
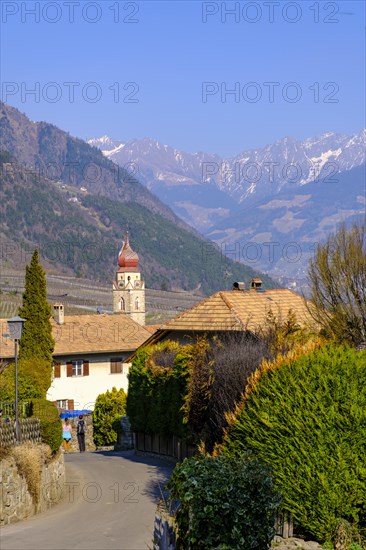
x,y
110,502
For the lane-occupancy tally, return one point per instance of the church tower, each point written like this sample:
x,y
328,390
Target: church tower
x,y
128,287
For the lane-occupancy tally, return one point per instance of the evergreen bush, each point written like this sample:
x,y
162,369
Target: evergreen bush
x,y
51,427
224,503
307,420
109,407
157,389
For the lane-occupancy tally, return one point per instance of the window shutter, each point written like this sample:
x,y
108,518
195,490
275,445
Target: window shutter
x,y
70,404
86,368
69,369
57,371
116,366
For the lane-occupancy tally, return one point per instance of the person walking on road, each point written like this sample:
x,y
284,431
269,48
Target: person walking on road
x,y
66,434
80,431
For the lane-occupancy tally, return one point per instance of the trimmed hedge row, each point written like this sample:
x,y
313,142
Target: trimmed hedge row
x,y
307,420
157,388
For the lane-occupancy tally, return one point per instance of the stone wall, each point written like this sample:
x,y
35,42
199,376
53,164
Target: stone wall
x,y
293,543
16,502
125,438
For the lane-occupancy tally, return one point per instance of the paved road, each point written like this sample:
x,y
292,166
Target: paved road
x,y
110,502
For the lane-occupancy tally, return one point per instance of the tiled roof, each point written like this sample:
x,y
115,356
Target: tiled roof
x,y
127,257
240,310
152,328
88,334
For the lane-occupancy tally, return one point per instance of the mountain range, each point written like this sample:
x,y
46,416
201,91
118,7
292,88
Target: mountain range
x,y
64,196
268,207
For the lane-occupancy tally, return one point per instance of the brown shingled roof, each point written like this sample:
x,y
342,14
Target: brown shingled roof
x,y
240,310
88,334
235,310
152,328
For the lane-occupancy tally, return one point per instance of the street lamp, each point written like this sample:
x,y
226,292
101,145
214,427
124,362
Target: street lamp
x,y
15,326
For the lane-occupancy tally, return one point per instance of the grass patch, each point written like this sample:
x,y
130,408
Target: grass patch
x,y
29,459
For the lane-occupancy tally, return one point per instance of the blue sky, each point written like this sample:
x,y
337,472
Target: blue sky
x,y
165,69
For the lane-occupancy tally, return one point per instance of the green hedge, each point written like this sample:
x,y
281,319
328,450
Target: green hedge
x,y
51,427
307,420
224,503
157,388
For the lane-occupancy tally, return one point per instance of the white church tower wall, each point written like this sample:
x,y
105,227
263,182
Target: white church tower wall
x,y
128,286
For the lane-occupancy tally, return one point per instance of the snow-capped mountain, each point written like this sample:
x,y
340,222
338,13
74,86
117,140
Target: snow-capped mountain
x,y
290,163
287,162
258,194
252,174
156,162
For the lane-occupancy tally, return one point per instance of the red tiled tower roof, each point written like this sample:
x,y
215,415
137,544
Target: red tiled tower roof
x,y
127,257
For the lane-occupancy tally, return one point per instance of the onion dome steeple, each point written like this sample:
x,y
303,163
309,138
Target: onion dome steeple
x,y
128,286
127,257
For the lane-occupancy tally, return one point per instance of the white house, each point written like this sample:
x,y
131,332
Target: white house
x,y
89,355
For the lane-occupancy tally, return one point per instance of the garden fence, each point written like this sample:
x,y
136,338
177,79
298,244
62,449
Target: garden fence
x,y
30,431
172,446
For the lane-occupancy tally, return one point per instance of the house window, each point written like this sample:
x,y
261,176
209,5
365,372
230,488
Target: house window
x,y
77,368
65,404
116,366
122,304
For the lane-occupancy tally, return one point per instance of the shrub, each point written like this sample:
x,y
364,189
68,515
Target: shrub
x,y
218,373
337,284
186,391
34,378
51,428
109,407
157,388
224,503
307,419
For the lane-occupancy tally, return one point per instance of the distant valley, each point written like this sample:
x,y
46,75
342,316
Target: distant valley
x,y
266,207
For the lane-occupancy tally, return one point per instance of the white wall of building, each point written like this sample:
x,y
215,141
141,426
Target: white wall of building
x,y
85,389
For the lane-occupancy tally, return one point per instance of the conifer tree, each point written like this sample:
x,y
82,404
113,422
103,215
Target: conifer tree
x,y
37,341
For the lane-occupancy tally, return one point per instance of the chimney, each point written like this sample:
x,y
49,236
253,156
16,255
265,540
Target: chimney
x,y
58,313
238,286
256,284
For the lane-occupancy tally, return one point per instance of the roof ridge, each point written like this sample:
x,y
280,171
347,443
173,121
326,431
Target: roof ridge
x,y
232,310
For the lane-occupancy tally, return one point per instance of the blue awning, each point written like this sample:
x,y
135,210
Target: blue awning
x,y
73,414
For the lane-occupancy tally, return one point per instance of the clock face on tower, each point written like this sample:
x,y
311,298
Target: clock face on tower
x,y
121,284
